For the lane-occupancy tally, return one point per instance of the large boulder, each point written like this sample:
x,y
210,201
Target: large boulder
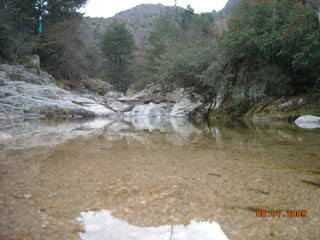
x,y
152,93
111,100
308,122
153,101
139,100
119,107
33,62
96,86
183,102
185,107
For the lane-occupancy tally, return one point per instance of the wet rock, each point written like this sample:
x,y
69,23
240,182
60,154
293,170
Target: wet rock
x,y
308,122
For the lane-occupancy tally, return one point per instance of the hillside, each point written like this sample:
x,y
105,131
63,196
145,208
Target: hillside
x,y
139,21
229,6
236,59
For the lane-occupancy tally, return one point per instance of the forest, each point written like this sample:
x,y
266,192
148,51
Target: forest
x,y
256,51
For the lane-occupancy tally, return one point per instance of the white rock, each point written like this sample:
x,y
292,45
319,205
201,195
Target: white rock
x,y
34,94
308,122
113,95
150,109
184,107
4,136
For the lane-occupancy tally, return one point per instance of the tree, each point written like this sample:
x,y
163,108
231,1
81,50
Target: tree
x,y
20,21
284,34
187,17
117,46
59,50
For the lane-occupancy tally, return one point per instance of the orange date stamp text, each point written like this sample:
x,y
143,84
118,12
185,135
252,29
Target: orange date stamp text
x,y
282,214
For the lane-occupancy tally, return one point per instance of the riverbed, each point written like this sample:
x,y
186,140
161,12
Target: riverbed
x,y
158,178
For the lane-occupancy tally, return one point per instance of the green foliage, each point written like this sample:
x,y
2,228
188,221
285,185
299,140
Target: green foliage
x,y
279,33
180,49
204,21
185,66
15,40
187,17
20,20
161,40
59,51
117,46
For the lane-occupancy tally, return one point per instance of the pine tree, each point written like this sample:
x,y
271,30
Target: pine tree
x,y
117,46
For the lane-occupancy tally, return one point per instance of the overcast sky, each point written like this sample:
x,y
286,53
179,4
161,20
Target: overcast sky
x,y
105,8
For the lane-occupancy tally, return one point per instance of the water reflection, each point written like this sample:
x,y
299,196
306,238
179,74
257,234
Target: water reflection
x,y
102,225
163,172
26,134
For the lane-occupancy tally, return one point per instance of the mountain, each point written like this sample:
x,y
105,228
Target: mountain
x,y
227,10
139,20
229,6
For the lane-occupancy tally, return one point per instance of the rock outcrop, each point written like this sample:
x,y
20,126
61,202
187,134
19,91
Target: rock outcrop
x,y
153,101
150,110
24,92
184,103
28,75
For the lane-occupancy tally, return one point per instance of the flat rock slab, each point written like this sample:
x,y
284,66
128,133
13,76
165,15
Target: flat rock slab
x,y
38,95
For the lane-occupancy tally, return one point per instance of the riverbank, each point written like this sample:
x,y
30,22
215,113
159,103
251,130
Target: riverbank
x,y
284,109
26,93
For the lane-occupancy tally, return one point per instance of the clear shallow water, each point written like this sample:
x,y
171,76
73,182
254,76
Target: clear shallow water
x,y
146,175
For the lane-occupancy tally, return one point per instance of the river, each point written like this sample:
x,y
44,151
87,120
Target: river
x,y
158,178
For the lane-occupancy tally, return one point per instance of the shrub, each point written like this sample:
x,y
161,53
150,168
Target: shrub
x,y
284,34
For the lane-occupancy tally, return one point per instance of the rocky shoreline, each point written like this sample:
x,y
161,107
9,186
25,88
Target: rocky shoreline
x,y
29,93
25,93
